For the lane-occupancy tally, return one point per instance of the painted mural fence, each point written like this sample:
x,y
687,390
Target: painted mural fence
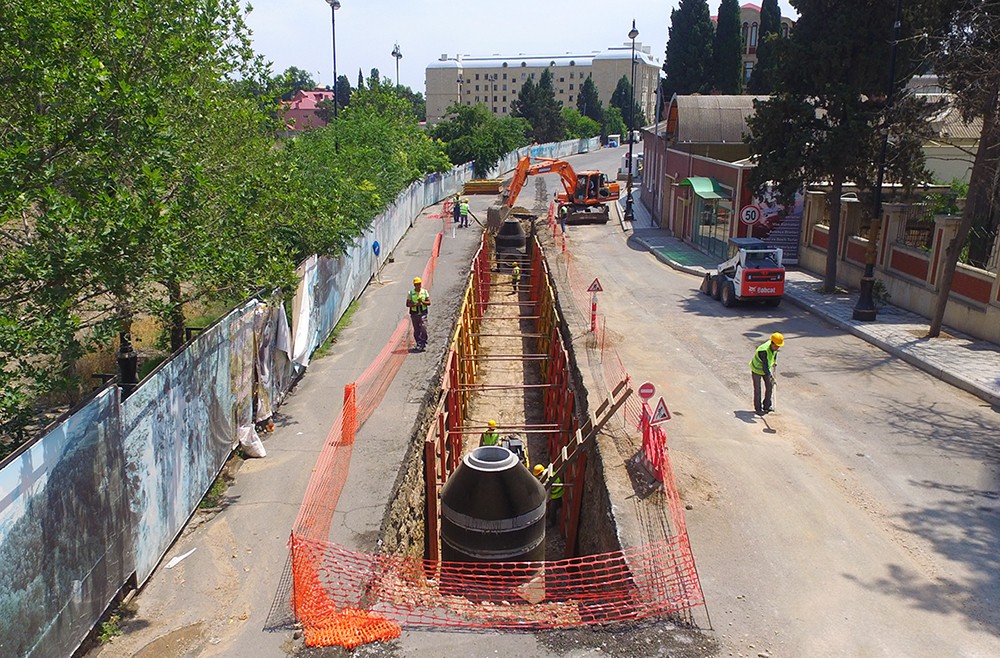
x,y
96,501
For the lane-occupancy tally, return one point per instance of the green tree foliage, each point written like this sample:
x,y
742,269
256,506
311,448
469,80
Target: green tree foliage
x,y
762,76
579,126
138,172
826,121
418,106
588,102
623,99
727,50
962,38
291,80
689,49
538,104
343,91
471,133
614,124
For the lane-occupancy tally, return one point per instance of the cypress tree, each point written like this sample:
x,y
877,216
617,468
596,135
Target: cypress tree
x,y
688,64
589,102
762,77
727,50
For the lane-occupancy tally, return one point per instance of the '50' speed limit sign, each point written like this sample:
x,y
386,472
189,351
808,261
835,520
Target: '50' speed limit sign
x,y
750,214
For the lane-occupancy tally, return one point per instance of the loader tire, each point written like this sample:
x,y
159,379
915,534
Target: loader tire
x,y
728,294
773,301
717,284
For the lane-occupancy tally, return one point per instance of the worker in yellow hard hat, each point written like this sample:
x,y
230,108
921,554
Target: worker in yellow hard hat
x,y
554,504
762,366
515,276
491,436
463,213
417,302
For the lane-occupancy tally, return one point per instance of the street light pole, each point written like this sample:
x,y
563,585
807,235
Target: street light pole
x,y
398,54
629,212
334,6
865,310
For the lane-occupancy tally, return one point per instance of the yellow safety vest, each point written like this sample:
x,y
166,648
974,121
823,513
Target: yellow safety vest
x,y
419,301
556,492
490,438
756,366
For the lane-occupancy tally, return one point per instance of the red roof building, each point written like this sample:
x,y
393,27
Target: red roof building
x,y
301,111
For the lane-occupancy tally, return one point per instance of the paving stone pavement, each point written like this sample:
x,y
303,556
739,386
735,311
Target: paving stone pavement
x,y
968,363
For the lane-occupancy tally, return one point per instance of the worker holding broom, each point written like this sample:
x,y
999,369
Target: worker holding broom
x,y
762,366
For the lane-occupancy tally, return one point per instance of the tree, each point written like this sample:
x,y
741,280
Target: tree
x,y
762,76
623,98
293,79
361,79
825,122
588,102
579,126
538,104
613,122
964,38
689,49
727,50
475,134
418,106
343,91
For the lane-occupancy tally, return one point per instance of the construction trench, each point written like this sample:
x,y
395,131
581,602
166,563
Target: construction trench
x,y
510,359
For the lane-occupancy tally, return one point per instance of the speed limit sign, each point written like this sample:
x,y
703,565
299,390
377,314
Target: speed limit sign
x,y
750,214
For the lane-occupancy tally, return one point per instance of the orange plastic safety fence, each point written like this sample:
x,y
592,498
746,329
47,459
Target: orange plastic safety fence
x,y
653,580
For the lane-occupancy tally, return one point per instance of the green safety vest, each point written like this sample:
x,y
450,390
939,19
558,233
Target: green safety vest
x,y
464,208
556,492
419,300
490,438
517,272
756,366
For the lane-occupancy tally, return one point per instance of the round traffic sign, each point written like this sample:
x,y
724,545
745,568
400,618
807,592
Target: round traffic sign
x,y
646,390
377,248
750,214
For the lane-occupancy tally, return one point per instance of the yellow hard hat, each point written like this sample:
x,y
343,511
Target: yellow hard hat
x,y
416,280
492,423
512,263
538,470
777,339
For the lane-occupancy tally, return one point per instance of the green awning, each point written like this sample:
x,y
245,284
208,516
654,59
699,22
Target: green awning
x,y
703,187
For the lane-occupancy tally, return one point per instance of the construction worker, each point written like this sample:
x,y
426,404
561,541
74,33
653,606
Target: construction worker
x,y
762,366
554,504
417,301
463,211
455,208
491,436
515,275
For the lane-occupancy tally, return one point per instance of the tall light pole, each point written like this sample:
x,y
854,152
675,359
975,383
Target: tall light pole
x,y
334,6
629,213
865,310
398,54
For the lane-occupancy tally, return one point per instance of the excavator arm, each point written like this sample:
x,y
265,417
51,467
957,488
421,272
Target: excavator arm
x,y
544,166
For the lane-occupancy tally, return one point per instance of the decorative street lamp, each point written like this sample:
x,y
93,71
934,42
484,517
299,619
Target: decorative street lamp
x,y
398,54
865,310
334,6
629,213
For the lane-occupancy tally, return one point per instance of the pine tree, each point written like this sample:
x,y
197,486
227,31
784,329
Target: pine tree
x,y
589,102
623,99
727,50
689,49
538,104
762,77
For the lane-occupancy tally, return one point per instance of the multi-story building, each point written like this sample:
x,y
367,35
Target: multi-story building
x,y
496,80
750,31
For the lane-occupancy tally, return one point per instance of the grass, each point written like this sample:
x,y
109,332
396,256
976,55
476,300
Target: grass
x,y
345,320
215,493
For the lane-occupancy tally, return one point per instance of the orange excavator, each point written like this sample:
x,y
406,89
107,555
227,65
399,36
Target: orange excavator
x,y
586,194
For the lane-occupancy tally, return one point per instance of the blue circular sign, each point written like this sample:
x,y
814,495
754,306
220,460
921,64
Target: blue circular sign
x,y
376,247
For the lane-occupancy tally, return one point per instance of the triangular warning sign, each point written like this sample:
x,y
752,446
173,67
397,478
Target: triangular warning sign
x,y
595,287
661,414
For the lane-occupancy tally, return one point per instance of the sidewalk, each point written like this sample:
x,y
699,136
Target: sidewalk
x,y
970,364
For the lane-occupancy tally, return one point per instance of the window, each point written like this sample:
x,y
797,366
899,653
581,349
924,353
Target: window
x,y
494,99
505,75
562,79
477,99
571,86
505,88
505,66
524,75
753,35
477,76
570,99
532,76
477,86
504,99
745,33
571,74
552,63
504,110
747,70
524,63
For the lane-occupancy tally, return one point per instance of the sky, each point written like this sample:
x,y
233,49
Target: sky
x,y
298,32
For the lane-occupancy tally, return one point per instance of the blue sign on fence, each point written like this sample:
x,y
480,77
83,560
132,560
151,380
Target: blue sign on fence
x,y
377,248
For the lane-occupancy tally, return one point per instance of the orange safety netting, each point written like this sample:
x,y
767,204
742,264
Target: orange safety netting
x,y
649,581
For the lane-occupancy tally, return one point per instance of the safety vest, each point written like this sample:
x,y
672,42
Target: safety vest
x,y
517,272
464,209
490,438
756,366
419,301
556,492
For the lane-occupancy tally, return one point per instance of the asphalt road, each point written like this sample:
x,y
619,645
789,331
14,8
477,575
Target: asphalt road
x,y
861,519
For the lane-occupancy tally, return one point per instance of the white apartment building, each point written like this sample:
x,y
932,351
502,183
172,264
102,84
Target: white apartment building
x,y
495,81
